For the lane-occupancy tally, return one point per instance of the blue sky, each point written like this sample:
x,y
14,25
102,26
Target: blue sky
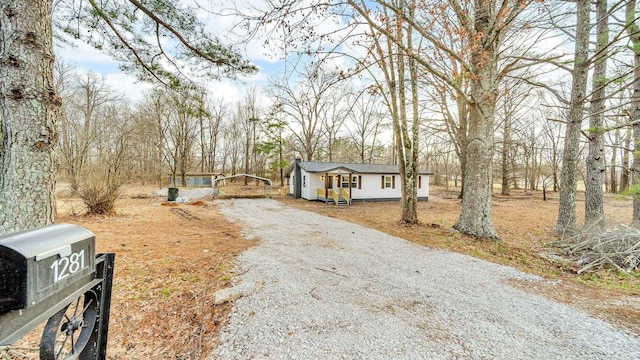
x,y
221,23
85,58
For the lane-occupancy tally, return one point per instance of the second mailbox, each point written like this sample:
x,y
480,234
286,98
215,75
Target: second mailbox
x,y
41,263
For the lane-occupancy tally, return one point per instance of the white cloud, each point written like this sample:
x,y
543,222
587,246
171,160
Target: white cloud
x,y
81,53
132,89
226,90
220,20
86,59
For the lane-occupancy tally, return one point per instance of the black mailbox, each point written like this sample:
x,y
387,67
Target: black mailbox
x,y
38,264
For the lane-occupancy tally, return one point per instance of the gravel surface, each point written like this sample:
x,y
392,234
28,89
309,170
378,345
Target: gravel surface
x,y
195,193
321,288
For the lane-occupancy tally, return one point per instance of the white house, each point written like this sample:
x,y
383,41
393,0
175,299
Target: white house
x,y
342,182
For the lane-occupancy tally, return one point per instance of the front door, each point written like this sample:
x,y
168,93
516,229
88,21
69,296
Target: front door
x,y
328,182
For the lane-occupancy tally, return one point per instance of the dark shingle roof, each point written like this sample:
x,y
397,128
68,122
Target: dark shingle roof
x,y
315,167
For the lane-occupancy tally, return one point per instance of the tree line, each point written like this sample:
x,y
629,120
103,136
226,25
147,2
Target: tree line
x,y
553,84
532,94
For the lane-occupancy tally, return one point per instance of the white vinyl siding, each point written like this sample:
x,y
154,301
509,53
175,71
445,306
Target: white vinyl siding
x,y
310,184
364,186
292,184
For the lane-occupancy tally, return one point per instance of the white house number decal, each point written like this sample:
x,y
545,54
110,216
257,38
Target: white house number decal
x,y
68,265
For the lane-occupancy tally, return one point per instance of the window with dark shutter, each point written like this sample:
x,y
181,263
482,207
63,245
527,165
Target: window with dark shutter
x,y
388,182
345,182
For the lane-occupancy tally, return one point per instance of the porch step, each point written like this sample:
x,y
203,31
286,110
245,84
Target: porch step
x,y
340,202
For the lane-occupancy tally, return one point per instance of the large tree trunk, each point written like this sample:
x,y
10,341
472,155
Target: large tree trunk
x,y
634,33
30,109
569,173
475,215
410,188
594,206
404,143
409,165
407,161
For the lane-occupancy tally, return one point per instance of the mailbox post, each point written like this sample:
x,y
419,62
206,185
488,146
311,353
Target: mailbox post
x,y
53,273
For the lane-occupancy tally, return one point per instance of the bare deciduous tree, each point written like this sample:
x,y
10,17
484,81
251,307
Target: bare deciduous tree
x,y
100,185
30,114
212,133
570,155
633,30
88,94
305,104
367,121
333,118
594,201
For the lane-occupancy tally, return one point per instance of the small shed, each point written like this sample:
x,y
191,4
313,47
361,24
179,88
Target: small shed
x,y
194,180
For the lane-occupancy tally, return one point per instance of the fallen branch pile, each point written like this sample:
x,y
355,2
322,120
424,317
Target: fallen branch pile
x,y
619,248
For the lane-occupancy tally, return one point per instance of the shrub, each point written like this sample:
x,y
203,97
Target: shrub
x,y
98,197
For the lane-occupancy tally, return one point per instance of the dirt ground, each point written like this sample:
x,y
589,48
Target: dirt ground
x,y
169,262
171,258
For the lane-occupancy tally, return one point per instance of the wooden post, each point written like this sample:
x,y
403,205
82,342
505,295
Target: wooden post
x,y
326,191
350,186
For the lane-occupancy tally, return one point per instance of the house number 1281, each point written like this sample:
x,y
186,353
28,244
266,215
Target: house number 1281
x,y
68,265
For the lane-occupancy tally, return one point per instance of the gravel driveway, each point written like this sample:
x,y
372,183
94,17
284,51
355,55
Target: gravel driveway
x,y
321,288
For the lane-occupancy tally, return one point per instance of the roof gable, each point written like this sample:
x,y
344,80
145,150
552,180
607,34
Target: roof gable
x,y
323,167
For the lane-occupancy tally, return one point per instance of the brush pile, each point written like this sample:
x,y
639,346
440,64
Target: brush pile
x,y
618,248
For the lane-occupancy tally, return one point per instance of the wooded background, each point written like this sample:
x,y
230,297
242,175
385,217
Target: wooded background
x,y
524,94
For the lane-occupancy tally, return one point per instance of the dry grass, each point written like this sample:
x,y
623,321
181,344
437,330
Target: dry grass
x,y
168,265
171,259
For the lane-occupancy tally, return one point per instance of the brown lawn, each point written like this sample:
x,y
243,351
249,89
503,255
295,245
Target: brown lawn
x,y
171,259
169,262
